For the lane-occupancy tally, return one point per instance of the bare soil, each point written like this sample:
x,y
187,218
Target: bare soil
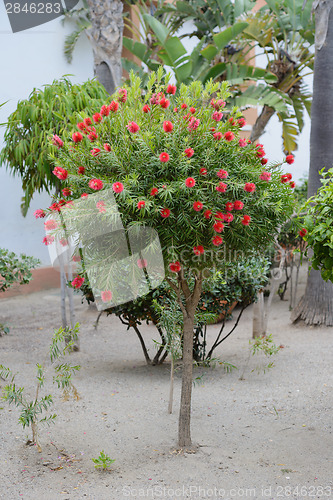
x,y
260,436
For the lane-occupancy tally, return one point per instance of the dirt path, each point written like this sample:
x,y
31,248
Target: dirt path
x,y
266,436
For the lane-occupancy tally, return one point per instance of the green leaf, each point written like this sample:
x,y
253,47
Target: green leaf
x,y
158,28
222,39
209,52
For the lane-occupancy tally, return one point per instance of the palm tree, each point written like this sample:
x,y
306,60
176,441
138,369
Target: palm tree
x,y
316,306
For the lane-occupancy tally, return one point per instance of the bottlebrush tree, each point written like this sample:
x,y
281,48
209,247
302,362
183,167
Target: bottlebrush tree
x,y
175,162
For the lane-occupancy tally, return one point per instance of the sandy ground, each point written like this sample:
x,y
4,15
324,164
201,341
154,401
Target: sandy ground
x,y
268,436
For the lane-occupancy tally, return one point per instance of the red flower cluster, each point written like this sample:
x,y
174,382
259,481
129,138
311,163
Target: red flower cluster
x,y
164,157
122,95
242,143
48,240
229,206
61,173
218,227
222,187
199,250
95,151
78,282
171,89
222,174
193,123
97,117
118,187
190,182
241,122
238,205
105,110
164,103
217,104
217,136
228,217
203,171
165,213
81,170
207,214
96,184
56,141
39,214
77,137
114,106
249,187
146,108
197,206
303,232
107,147
167,126
265,176
132,127
189,152
141,204
286,178
106,296
217,240
229,136
175,267
290,159
154,192
217,116
50,225
66,192
246,220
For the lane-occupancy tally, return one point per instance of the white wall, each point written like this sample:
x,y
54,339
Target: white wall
x,y
31,59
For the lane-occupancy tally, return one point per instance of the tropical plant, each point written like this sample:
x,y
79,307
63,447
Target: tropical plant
x,y
165,160
318,227
14,269
316,306
26,140
32,409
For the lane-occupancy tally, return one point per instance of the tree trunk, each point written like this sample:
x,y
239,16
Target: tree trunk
x,y
259,127
106,35
315,307
184,428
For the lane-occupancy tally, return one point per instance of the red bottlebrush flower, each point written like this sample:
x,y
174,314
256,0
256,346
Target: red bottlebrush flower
x,y
229,136
218,227
95,184
217,241
63,242
122,95
286,178
56,141
238,205
246,220
175,267
290,159
217,116
303,232
133,127
87,121
189,152
113,106
141,204
229,206
249,187
154,192
165,213
77,137
167,126
175,110
55,207
183,106
222,174
222,187
118,187
203,171
95,151
199,250
190,182
260,153
193,124
264,161
50,225
242,143
66,192
171,89
197,206
207,214
81,126
231,121
78,282
107,147
217,104
69,204
219,215
39,214
217,136
48,240
164,157
106,295
155,98
164,103
97,117
81,170
192,110
76,258
146,108
105,111
100,205
142,263
61,173
228,217
265,176
84,196
92,136
241,122
292,185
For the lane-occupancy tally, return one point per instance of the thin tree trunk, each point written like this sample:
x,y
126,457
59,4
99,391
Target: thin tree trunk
x,y
184,429
259,127
258,316
172,372
106,35
316,306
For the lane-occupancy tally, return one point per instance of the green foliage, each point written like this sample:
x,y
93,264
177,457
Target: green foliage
x,y
14,269
3,329
103,461
131,154
266,346
319,224
32,409
29,128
